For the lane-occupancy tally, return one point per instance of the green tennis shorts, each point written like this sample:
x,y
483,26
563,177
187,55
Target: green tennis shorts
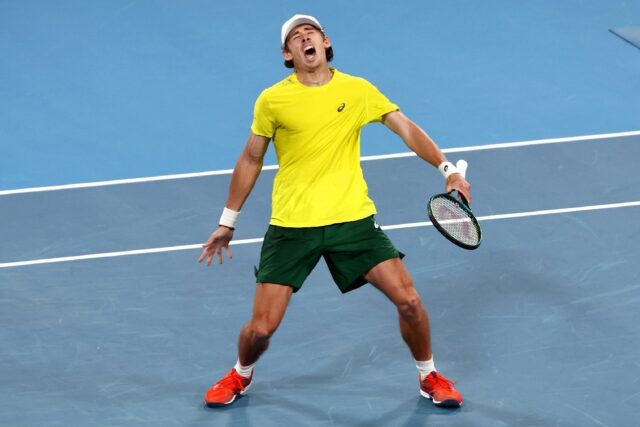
x,y
350,249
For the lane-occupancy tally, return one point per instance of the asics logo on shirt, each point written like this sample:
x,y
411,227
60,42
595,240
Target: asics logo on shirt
x,y
341,107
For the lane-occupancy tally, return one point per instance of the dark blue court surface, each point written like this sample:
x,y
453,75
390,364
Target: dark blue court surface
x,y
539,326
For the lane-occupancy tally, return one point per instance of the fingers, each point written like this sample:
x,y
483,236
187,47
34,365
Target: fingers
x,y
467,196
457,182
213,249
464,191
227,250
204,253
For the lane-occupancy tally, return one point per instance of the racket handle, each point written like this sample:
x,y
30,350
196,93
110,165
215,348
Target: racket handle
x,y
462,166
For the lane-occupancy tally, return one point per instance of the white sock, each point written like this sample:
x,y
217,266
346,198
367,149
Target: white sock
x,y
245,371
425,368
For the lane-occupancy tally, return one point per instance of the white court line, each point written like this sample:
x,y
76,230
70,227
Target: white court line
x,y
523,214
363,158
259,240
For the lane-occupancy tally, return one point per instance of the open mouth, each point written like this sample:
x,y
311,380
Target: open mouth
x,y
309,51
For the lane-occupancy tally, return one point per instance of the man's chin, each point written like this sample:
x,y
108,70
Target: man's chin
x,y
312,64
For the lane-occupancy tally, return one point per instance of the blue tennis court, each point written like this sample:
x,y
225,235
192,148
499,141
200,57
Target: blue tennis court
x,y
127,107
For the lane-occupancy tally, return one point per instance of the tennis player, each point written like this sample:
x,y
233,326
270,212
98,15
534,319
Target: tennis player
x,y
320,204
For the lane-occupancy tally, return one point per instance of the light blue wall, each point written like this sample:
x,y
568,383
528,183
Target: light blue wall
x,y
98,90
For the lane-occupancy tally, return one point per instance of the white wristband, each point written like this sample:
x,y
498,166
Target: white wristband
x,y
447,169
229,218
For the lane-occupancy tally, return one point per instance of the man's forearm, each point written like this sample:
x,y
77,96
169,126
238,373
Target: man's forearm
x,y
414,137
244,177
422,144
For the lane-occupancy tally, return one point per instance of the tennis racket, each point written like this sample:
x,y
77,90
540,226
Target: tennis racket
x,y
453,217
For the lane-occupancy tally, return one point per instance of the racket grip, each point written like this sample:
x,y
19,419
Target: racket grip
x,y
462,166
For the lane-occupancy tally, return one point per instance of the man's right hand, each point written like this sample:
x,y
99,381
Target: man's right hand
x,y
219,239
457,181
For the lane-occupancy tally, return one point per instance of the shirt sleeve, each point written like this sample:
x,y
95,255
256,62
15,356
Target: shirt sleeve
x,y
377,105
263,120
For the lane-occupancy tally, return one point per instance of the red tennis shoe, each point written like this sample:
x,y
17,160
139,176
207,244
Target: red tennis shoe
x,y
439,389
225,391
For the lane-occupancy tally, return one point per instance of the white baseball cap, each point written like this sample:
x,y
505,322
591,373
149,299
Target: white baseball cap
x,y
296,20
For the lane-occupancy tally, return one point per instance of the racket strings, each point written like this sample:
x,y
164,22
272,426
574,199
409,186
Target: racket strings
x,y
455,220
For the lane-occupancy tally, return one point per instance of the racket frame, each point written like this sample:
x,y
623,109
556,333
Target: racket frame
x,y
464,207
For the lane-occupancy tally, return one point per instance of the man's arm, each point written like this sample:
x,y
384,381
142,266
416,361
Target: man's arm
x,y
245,174
421,144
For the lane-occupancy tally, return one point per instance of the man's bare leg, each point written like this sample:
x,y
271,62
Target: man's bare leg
x,y
269,307
270,304
393,279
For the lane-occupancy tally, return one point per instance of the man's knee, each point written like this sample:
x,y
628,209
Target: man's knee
x,y
262,330
410,306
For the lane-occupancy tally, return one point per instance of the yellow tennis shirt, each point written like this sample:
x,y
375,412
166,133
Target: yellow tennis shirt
x,y
316,134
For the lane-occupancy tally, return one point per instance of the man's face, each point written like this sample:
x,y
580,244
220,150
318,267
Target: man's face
x,y
306,46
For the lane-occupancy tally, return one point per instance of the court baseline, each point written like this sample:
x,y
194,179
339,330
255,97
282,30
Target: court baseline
x,y
259,240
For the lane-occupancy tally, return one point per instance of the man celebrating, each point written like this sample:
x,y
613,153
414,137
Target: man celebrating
x,y
320,204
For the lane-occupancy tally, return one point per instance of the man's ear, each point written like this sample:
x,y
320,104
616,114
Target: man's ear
x,y
287,55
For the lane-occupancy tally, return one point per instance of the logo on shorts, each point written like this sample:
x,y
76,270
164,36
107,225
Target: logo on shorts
x,y
341,107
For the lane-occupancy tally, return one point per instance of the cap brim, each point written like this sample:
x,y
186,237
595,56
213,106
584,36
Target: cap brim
x,y
297,22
